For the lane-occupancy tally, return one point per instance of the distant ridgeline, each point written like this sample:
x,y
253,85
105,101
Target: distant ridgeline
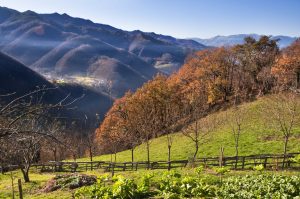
x,y
66,46
231,40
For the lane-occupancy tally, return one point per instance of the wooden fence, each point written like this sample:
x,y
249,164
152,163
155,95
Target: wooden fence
x,y
269,161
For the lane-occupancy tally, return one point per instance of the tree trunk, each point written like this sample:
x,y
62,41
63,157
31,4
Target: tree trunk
x,y
55,154
91,153
169,157
25,172
236,155
286,139
91,156
148,154
132,157
196,149
237,138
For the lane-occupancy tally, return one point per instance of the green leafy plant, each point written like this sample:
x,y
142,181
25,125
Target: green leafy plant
x,y
259,168
124,188
221,171
98,190
169,185
260,186
199,170
174,186
145,184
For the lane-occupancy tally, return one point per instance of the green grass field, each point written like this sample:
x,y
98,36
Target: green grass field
x,y
31,190
256,138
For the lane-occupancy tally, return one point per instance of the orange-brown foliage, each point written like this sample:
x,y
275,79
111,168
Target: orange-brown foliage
x,y
209,77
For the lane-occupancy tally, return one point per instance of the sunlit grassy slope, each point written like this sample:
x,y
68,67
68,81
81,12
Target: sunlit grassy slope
x,y
256,138
31,190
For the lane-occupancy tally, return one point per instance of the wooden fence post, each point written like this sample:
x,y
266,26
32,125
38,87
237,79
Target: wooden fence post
x,y
265,162
20,189
12,185
221,157
205,165
243,163
112,169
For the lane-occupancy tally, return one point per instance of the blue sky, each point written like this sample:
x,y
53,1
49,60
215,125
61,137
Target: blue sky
x,y
179,18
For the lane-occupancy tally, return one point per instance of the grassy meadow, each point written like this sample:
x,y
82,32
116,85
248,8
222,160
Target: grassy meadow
x,y
256,138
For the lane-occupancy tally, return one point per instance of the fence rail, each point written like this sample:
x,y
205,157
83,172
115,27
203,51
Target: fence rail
x,y
269,161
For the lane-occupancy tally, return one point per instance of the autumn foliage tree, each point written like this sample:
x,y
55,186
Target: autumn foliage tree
x,y
209,80
287,67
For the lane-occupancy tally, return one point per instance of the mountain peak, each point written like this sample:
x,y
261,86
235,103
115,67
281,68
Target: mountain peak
x,y
30,13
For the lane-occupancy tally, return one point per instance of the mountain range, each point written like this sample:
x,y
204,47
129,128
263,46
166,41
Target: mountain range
x,y
60,45
80,57
218,41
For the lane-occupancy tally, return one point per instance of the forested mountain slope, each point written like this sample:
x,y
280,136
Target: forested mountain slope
x,y
210,80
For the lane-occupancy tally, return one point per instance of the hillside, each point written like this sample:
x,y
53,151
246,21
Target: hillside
x,y
255,139
15,77
66,46
231,40
18,79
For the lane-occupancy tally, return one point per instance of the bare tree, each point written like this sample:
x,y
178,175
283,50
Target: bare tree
x,y
25,123
235,119
282,114
198,132
57,130
26,146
